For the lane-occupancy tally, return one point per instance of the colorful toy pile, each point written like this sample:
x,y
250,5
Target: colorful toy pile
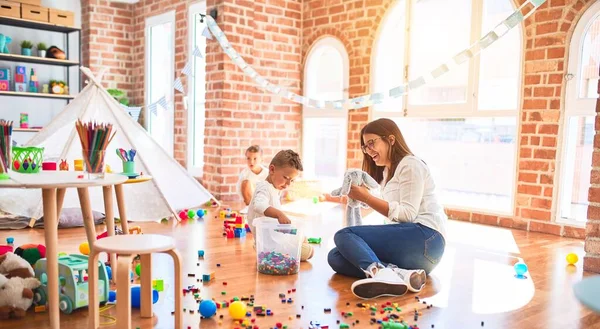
x,y
275,263
191,214
237,228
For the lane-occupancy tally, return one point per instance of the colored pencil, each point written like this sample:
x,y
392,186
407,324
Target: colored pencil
x,y
94,139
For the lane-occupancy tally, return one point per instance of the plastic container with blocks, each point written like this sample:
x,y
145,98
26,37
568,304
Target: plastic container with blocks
x,y
278,246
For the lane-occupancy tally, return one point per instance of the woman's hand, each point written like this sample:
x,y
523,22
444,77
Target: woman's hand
x,y
359,193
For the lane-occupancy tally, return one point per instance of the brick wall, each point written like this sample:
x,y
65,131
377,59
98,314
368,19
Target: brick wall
x,y
106,41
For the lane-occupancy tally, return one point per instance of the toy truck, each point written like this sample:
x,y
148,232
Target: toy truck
x,y
73,288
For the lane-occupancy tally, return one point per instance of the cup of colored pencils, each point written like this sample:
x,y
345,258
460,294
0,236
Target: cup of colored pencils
x,y
95,138
5,148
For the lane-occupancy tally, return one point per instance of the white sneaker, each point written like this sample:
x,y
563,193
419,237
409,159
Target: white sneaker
x,y
415,279
382,282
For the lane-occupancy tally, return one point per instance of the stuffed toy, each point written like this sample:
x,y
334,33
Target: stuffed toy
x,y
55,52
11,265
16,296
354,177
17,282
31,252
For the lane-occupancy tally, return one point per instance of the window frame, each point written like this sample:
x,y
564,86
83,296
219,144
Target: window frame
x,y
461,110
190,99
574,107
309,112
466,110
167,17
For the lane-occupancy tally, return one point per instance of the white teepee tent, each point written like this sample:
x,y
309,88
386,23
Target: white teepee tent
x,y
170,190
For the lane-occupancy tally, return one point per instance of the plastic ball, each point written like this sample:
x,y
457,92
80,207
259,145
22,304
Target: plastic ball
x,y
183,214
207,308
138,269
520,268
572,258
191,214
237,310
84,248
112,296
200,213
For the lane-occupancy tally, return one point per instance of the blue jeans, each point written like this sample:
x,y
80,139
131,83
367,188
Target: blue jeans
x,y
406,245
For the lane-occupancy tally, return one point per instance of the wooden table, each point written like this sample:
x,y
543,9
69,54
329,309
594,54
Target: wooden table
x,y
53,185
110,218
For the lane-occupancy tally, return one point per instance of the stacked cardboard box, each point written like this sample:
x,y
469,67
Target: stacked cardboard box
x,y
33,10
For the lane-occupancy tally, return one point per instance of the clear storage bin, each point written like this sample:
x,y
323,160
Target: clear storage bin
x,y
278,246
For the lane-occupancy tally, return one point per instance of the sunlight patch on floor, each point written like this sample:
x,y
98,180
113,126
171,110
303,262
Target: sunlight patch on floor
x,y
488,238
497,290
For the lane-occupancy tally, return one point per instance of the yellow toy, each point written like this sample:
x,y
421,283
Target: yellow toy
x,y
572,258
237,310
84,248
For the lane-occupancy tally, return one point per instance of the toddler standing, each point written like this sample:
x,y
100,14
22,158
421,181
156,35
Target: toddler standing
x,y
251,175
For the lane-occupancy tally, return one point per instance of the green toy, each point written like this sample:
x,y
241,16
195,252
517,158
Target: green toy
x,y
314,240
73,289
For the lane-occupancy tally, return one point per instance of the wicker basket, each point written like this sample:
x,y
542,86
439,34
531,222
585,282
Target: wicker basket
x,y
27,160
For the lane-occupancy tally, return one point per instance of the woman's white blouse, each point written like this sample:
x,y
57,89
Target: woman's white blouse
x,y
411,195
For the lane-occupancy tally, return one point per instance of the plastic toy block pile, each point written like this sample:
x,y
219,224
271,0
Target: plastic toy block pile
x,y
233,224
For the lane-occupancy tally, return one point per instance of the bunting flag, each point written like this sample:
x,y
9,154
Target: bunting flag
x,y
197,52
206,33
178,85
152,108
187,69
163,102
516,18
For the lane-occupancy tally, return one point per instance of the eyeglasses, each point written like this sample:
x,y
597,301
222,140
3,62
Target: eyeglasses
x,y
370,144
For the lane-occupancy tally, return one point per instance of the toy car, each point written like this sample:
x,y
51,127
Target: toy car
x,y
73,287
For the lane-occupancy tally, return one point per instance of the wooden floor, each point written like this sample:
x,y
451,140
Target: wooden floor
x,y
474,286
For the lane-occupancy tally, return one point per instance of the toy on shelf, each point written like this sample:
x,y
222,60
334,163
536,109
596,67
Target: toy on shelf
x,y
20,75
24,120
55,52
5,78
33,82
58,87
73,286
49,166
5,40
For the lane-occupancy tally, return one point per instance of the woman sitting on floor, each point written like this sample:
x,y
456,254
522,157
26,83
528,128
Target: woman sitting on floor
x,y
397,256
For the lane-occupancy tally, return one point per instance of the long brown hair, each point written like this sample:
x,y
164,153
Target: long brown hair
x,y
384,128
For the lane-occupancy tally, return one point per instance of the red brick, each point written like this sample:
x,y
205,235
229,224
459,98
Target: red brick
x,y
546,28
528,178
591,263
532,79
549,141
544,154
535,214
574,232
558,52
541,203
529,189
535,104
592,228
549,228
546,179
592,246
548,129
594,194
485,219
533,165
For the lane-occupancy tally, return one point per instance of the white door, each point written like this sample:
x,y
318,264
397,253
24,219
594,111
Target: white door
x,y
160,64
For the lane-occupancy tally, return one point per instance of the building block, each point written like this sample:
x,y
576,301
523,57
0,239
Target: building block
x,y
158,285
19,78
200,253
4,85
4,74
21,70
205,278
21,87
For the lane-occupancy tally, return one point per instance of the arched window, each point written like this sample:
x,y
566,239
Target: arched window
x,y
580,111
324,131
463,124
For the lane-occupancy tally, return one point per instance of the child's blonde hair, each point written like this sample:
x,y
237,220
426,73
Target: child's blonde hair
x,y
287,158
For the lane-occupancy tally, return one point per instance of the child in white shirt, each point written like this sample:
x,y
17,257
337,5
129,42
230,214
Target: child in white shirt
x,y
266,201
251,175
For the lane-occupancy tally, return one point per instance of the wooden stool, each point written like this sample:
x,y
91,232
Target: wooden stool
x,y
126,247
